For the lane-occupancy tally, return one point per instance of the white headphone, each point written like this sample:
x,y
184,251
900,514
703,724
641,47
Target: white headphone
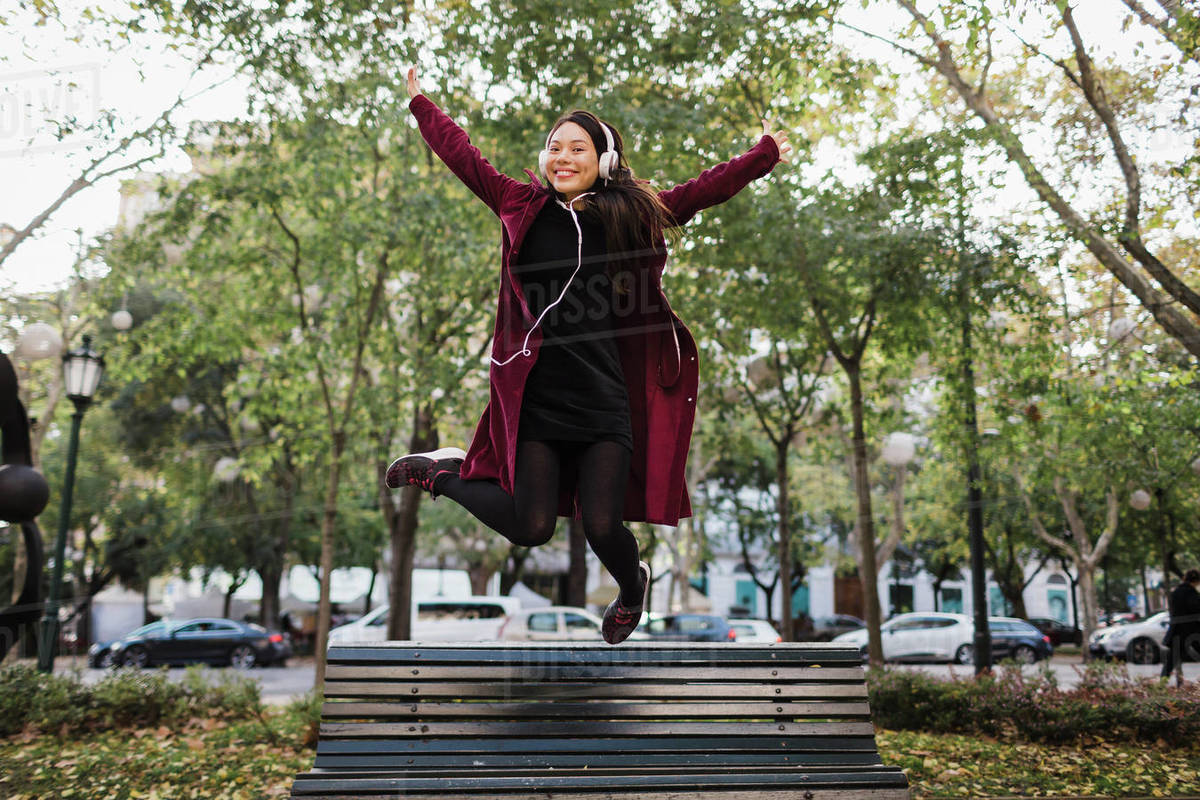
x,y
610,159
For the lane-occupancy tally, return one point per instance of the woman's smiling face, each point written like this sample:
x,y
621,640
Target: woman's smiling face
x,y
573,165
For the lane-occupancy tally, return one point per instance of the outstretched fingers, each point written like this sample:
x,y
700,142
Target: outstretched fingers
x,y
781,141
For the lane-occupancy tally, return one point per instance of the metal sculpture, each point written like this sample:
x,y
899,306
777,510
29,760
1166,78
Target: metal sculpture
x,y
23,495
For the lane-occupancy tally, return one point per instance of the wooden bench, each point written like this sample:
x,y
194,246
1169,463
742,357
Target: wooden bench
x,y
660,721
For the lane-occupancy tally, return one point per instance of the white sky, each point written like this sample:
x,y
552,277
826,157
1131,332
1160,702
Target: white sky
x,y
46,75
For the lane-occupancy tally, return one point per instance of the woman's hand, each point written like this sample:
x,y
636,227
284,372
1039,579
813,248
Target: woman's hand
x,y
413,88
780,137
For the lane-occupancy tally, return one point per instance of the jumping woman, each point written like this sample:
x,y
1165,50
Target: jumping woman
x,y
593,376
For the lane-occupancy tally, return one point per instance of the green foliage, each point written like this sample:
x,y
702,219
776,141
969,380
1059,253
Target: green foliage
x,y
1015,707
63,704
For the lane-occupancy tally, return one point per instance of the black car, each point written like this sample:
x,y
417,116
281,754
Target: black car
x,y
689,628
1059,632
1017,639
204,641
100,654
825,628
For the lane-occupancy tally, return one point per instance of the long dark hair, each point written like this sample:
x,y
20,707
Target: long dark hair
x,y
634,219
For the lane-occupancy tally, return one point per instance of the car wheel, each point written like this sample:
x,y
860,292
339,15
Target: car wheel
x,y
136,657
965,654
1025,654
242,657
105,660
1142,651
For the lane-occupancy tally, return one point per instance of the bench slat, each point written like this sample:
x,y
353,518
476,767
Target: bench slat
x,y
587,712
626,689
821,793
885,793
644,744
594,653
487,672
810,780
486,730
675,761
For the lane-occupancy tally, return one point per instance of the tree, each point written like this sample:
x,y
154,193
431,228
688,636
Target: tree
x,y
863,274
1106,103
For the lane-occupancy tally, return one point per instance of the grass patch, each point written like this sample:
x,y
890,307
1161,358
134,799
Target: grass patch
x,y
214,758
949,765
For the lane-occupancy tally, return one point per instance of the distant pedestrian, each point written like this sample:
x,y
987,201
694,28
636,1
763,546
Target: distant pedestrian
x,y
1183,635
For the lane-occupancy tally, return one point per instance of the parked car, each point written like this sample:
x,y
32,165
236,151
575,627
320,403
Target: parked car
x,y
1017,639
1059,632
205,641
1136,642
471,619
688,628
921,636
824,629
100,654
553,623
754,630
1106,619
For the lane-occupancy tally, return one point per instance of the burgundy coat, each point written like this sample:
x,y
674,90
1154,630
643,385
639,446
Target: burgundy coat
x,y
658,353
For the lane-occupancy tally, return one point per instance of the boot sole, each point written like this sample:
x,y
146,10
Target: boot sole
x,y
432,455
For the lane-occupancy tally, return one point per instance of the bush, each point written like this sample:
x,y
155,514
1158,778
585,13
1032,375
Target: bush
x,y
1012,706
124,698
306,709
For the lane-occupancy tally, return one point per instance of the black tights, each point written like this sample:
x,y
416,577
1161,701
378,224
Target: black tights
x,y
528,516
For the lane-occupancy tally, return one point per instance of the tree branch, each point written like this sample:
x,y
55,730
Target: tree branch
x,y
1173,321
1039,529
89,175
1097,98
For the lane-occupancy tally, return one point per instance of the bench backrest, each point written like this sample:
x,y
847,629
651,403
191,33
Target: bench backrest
x,y
658,709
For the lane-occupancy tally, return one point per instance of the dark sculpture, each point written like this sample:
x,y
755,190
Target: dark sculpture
x,y
23,495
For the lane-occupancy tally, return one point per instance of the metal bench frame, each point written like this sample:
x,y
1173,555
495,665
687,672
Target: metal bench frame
x,y
659,721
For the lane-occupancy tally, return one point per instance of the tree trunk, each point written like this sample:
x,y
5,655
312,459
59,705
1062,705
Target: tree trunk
x,y
328,524
370,589
785,539
271,572
577,567
479,576
402,524
865,522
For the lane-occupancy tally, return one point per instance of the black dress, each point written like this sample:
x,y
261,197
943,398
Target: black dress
x,y
576,389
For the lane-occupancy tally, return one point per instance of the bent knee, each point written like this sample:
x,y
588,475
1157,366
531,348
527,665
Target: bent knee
x,y
534,531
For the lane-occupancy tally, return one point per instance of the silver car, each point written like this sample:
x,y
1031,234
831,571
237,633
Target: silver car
x,y
1136,642
553,623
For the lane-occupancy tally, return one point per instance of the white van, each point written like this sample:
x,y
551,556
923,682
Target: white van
x,y
469,619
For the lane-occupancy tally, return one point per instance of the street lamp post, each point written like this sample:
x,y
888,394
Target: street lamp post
x,y
82,369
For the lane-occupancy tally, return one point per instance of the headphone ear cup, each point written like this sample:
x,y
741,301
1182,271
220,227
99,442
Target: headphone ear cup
x,y
608,164
543,161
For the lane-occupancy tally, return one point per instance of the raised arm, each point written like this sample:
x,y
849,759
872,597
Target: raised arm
x,y
717,184
454,147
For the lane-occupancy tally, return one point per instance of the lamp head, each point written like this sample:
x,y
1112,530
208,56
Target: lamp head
x,y
82,370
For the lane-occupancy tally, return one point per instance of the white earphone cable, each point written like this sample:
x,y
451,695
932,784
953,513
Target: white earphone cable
x,y
570,207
